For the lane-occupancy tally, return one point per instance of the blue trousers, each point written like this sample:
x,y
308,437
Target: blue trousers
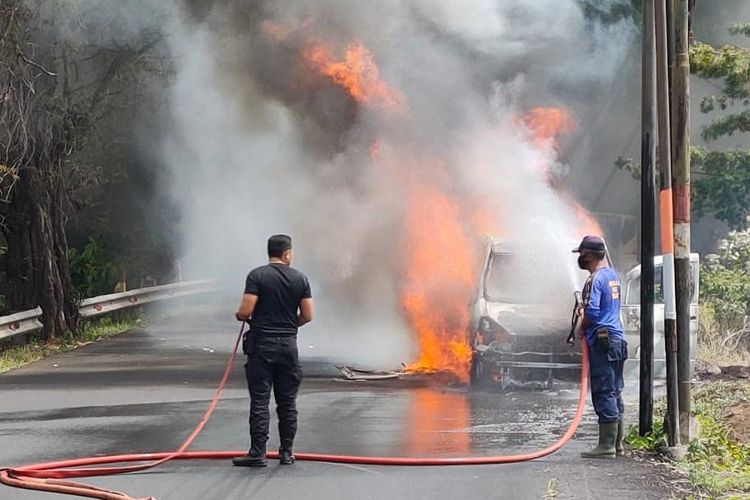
x,y
606,365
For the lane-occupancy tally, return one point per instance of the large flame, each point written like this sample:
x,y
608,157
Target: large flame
x,y
441,231
438,279
357,73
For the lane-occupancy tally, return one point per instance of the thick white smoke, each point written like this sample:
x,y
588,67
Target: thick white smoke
x,y
261,143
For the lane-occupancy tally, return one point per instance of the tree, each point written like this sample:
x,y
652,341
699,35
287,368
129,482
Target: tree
x,y
722,186
55,88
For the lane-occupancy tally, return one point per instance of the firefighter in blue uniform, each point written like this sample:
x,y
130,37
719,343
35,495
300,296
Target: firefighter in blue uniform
x,y
602,328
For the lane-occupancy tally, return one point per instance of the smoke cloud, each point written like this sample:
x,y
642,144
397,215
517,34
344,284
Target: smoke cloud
x,y
266,137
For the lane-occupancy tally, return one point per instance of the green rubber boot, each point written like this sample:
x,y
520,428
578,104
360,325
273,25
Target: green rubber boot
x,y
606,446
619,442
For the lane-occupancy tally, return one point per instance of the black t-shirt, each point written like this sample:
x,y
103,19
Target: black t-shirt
x,y
280,289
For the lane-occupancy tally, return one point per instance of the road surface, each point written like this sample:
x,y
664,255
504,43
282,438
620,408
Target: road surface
x,y
145,390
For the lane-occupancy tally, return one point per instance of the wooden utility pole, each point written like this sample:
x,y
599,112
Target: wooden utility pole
x,y
681,198
648,219
666,220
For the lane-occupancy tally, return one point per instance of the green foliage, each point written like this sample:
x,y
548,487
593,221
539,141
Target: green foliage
x,y
740,29
725,311
725,281
730,63
630,165
715,463
651,441
722,184
728,125
714,445
92,269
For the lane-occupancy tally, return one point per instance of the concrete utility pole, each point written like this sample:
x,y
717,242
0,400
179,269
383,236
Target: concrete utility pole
x,y
648,220
666,224
681,198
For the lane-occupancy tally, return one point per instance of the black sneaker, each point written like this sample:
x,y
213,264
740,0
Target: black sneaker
x,y
250,460
286,457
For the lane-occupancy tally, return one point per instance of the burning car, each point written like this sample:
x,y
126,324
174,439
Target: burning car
x,y
521,310
519,315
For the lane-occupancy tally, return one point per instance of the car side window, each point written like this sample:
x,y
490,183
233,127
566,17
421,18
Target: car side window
x,y
634,286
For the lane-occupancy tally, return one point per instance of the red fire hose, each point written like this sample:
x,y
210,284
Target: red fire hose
x,y
51,476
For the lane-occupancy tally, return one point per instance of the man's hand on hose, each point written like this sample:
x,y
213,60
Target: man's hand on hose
x,y
582,326
247,306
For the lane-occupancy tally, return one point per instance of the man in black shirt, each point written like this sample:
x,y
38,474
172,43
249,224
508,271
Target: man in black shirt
x,y
277,301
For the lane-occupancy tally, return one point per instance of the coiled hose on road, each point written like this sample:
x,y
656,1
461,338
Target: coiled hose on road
x,y
51,476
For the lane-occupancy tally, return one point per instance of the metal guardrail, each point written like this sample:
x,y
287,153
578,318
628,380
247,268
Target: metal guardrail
x,y
20,323
28,321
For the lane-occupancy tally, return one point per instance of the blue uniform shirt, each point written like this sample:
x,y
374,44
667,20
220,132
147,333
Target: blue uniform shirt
x,y
601,302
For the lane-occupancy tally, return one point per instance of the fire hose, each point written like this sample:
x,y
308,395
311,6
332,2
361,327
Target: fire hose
x,y
52,476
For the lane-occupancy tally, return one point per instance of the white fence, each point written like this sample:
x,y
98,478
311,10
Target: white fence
x,y
28,321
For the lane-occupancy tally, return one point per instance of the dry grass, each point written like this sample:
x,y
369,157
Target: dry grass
x,y
714,346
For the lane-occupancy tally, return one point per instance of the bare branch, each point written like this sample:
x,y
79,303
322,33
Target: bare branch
x,y
34,63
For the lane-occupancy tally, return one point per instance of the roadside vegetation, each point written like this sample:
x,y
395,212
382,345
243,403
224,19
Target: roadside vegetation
x,y
724,331
722,190
718,459
16,356
77,187
91,330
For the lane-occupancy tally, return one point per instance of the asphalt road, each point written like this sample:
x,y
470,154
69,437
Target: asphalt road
x,y
145,390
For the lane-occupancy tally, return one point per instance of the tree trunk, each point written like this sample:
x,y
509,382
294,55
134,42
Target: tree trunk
x,y
37,253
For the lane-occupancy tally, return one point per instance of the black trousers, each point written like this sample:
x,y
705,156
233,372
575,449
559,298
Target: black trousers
x,y
272,365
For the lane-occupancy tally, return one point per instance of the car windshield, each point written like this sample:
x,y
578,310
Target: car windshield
x,y
517,280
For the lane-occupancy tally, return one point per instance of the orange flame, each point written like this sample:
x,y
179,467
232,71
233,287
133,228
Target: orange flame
x,y
548,123
441,263
546,126
357,73
585,222
438,281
